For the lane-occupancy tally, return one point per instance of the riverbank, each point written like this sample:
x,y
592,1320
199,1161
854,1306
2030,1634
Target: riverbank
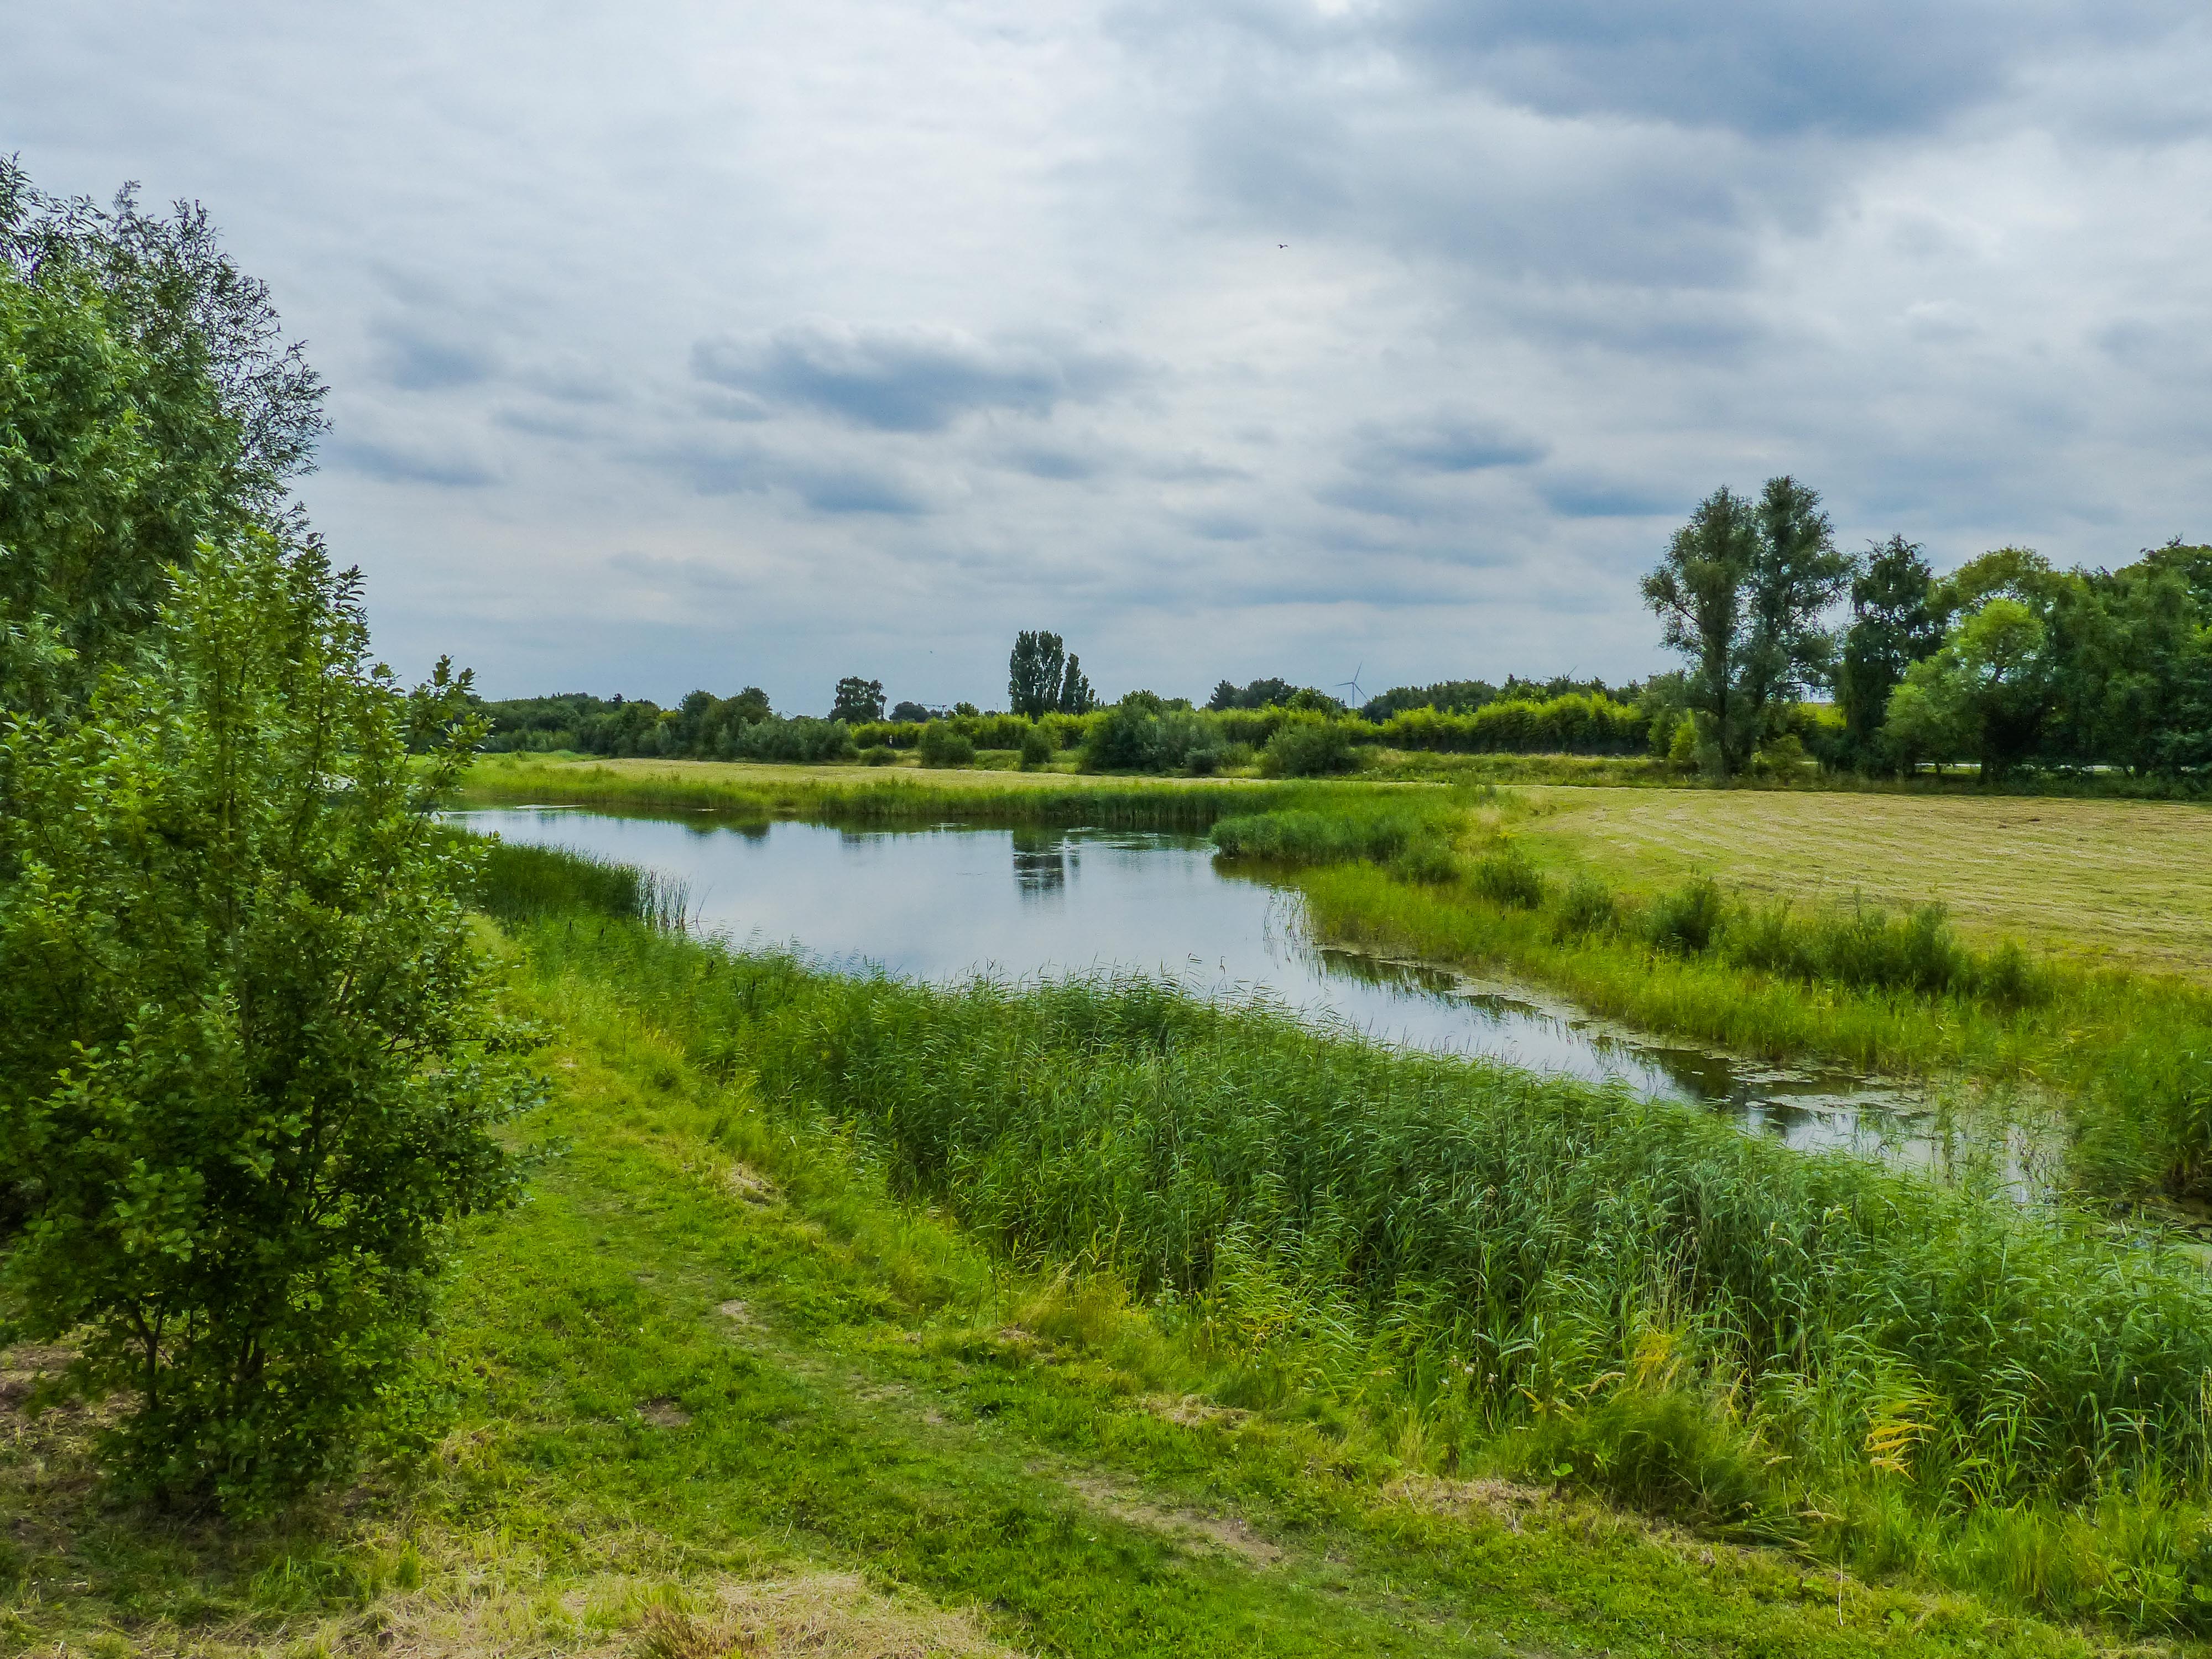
x,y
718,1386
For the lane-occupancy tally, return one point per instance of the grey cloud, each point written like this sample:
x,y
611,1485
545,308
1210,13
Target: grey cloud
x,y
1879,67
408,461
904,378
1223,526
1589,495
1045,461
1382,498
827,485
1442,443
417,358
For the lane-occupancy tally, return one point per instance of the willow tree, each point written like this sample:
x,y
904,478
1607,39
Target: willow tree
x,y
1741,593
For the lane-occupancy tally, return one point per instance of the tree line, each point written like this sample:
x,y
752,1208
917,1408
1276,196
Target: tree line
x,y
2007,664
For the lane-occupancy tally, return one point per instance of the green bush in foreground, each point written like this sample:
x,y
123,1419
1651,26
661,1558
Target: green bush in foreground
x,y
248,1072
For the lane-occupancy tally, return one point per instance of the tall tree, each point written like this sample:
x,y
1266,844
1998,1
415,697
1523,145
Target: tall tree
x,y
1035,671
1075,696
857,699
1740,594
148,402
1795,575
1894,625
1698,593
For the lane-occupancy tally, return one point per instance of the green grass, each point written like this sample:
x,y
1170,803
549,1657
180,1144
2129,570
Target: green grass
x,y
874,795
718,1385
1467,1271
2125,1060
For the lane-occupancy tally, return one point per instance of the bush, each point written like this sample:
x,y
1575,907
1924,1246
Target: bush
x,y
1308,748
1587,906
942,744
1426,859
879,754
1036,748
803,740
252,1125
1572,725
1689,918
1124,740
1506,877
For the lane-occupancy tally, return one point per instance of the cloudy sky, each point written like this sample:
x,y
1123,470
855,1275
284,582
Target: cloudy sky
x,y
679,344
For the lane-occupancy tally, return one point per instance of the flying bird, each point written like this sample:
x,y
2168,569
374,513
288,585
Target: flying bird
x,y
1282,245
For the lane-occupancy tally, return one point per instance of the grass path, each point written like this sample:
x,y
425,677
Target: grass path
x,y
710,1391
2128,882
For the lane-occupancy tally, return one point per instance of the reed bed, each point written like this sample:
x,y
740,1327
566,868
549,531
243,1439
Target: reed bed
x,y
876,797
2128,1057
1522,1273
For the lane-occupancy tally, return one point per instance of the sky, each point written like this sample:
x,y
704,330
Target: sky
x,y
691,344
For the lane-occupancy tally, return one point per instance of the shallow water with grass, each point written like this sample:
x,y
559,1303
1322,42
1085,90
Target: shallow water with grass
x,y
948,902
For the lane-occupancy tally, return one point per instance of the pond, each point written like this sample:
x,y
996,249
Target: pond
x,y
948,902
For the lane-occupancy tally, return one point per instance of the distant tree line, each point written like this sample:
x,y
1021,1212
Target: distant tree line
x,y
2007,664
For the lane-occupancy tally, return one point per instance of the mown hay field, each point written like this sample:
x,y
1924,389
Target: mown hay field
x,y
2128,882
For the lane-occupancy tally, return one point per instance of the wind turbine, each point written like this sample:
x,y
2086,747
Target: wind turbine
x,y
1358,695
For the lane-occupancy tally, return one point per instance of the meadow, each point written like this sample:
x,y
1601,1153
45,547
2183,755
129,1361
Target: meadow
x,y
2127,883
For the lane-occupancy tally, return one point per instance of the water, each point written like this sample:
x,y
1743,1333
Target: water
x,y
945,902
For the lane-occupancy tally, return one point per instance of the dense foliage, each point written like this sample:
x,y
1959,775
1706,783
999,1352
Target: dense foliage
x,y
2063,670
1741,593
248,1073
1043,677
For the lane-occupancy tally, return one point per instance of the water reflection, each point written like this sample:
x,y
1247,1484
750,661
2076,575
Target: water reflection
x,y
936,904
1040,862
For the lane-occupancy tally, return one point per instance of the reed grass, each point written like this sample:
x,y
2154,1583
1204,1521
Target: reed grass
x,y
2128,1057
1527,1274
873,796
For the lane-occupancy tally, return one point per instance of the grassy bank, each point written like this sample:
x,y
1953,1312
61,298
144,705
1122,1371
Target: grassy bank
x,y
721,1387
2125,1059
1466,1273
857,794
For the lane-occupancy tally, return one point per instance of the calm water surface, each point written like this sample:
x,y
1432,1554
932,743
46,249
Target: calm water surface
x,y
947,903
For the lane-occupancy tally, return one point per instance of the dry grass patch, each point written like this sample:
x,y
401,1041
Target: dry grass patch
x,y
2124,882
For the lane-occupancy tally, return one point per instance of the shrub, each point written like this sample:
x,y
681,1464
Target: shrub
x,y
1506,877
1126,739
1036,748
942,744
246,1042
804,740
879,754
1426,859
1682,747
1689,918
1204,760
1587,906
1308,748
